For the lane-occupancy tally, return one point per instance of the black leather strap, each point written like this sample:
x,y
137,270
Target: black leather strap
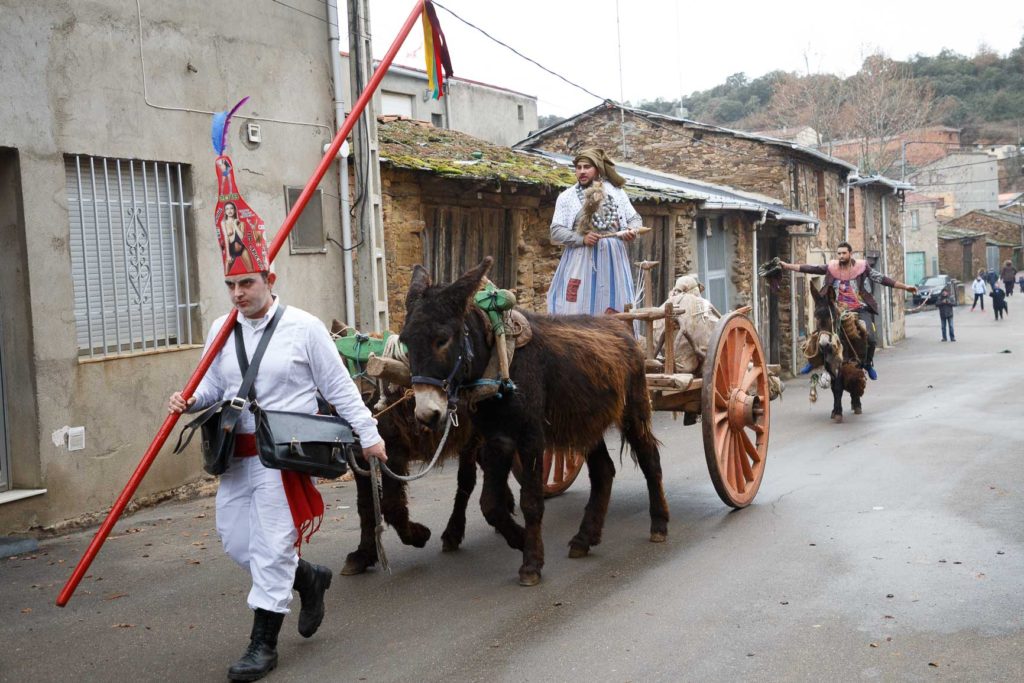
x,y
249,368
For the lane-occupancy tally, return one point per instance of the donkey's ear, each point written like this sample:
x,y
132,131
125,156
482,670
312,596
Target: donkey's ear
x,y
418,285
466,286
815,292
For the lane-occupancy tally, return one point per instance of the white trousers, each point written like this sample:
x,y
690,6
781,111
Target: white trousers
x,y
256,528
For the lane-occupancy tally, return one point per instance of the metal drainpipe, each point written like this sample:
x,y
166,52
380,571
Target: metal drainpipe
x,y
794,318
756,291
448,104
846,218
886,294
334,45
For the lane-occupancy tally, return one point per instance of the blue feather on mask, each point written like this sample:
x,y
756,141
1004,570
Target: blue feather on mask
x,y
219,129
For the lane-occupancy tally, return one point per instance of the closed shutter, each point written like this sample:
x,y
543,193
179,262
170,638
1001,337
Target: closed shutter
x,y
130,257
458,238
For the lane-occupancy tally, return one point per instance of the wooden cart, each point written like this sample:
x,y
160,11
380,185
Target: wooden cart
x,y
731,398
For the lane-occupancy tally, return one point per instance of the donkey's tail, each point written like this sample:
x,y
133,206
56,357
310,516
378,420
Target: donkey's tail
x,y
637,430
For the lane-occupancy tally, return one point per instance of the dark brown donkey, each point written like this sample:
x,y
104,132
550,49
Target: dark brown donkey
x,y
844,368
577,377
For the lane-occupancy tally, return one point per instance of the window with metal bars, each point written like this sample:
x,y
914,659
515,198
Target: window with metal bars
x,y
131,256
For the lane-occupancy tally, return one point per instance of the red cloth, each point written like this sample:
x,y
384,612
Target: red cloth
x,y
304,501
306,505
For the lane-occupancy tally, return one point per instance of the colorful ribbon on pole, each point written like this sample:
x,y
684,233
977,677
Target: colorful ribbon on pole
x,y
435,50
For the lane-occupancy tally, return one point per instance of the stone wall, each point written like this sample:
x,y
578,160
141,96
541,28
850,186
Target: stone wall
x,y
1000,230
951,258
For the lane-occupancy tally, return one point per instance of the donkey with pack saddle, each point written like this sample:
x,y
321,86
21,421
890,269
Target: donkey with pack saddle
x,y
839,345
578,376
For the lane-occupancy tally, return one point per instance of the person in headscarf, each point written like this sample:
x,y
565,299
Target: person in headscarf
x,y
593,220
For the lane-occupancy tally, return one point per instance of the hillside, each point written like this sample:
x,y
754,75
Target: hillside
x,y
983,94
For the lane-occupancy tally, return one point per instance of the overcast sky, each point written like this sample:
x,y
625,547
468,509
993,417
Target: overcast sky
x,y
671,47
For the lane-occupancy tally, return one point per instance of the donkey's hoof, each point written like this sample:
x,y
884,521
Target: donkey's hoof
x,y
837,417
857,410
577,550
356,565
449,543
658,537
417,536
528,577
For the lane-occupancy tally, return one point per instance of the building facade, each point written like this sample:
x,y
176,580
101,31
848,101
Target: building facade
x,y
921,229
111,270
490,112
964,181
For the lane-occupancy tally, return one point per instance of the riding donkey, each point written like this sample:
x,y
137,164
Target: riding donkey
x,y
578,376
839,345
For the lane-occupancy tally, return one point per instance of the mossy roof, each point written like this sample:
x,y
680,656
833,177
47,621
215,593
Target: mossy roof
x,y
419,146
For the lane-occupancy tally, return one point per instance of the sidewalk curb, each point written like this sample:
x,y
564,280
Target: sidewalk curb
x,y
10,546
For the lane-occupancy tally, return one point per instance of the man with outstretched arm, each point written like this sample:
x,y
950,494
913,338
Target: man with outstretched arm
x,y
847,276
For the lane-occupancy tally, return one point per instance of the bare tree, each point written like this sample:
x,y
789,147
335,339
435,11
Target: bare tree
x,y
883,104
813,100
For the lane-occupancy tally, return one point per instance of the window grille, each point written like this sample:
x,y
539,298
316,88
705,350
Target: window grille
x,y
130,256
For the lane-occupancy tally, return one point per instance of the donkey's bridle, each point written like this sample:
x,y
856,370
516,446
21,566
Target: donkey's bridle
x,y
450,385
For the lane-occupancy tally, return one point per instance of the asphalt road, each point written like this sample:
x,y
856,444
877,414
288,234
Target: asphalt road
x,y
890,548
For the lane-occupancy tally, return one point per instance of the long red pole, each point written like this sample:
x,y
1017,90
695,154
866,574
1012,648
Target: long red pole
x,y
221,338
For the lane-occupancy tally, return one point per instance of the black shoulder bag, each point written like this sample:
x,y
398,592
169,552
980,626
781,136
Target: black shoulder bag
x,y
218,422
317,445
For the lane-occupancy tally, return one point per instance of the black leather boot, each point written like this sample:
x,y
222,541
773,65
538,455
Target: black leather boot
x,y
311,581
260,657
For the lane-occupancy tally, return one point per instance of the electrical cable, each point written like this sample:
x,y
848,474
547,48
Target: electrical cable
x,y
518,53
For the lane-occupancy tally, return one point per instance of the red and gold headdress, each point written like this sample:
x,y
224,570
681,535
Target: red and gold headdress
x,y
240,231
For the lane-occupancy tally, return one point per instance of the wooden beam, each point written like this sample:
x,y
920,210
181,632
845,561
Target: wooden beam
x,y
389,369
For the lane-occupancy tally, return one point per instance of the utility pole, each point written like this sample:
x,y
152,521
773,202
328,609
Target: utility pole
x,y
372,312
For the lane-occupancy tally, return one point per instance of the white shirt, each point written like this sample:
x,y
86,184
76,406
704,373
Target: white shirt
x,y
978,286
300,359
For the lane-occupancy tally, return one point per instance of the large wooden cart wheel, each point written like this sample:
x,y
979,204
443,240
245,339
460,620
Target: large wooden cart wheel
x,y
560,470
735,409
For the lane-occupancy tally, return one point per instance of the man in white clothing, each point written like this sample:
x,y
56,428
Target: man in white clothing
x,y
261,512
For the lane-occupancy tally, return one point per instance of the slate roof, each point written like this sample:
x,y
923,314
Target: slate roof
x,y
531,141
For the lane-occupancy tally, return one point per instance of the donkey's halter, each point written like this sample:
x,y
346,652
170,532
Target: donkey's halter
x,y
450,385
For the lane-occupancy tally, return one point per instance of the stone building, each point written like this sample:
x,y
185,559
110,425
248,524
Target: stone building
x,y
981,240
779,171
918,147
450,199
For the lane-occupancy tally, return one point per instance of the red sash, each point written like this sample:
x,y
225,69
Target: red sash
x,y
304,500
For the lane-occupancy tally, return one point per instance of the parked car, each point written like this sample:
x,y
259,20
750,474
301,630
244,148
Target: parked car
x,y
929,290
